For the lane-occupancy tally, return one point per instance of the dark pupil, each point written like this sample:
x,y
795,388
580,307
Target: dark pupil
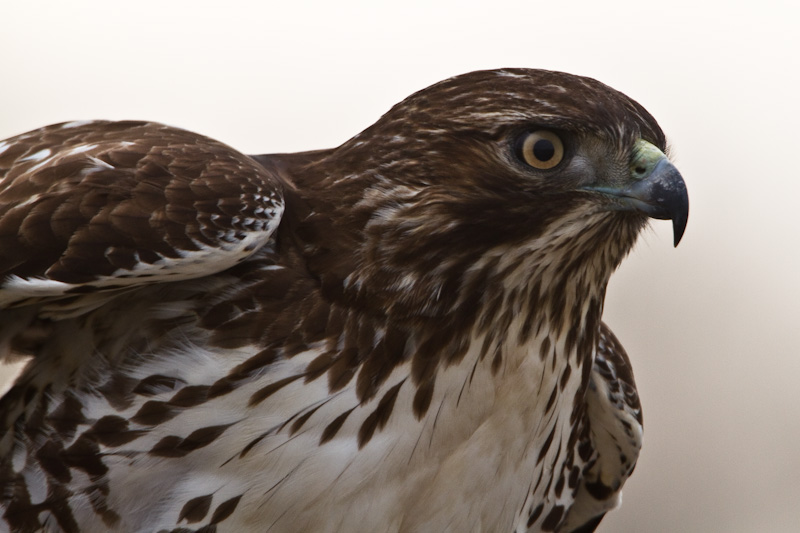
x,y
544,150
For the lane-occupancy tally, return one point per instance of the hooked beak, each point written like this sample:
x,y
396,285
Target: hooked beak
x,y
656,189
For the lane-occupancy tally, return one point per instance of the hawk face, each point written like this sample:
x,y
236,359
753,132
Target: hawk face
x,y
518,163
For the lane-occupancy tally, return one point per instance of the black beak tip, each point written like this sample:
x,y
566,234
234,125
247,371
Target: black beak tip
x,y
679,210
678,227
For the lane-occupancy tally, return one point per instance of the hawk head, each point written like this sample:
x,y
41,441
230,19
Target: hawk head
x,y
542,173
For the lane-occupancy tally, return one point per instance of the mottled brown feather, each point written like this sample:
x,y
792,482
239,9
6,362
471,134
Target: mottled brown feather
x,y
166,190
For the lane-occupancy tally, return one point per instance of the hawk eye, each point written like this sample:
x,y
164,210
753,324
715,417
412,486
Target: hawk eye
x,y
541,149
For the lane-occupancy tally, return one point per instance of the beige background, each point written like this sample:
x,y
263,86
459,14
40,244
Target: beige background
x,y
711,326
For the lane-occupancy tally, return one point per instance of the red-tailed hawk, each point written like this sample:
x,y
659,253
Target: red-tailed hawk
x,y
399,334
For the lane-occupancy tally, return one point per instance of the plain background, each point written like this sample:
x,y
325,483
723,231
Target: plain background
x,y
711,326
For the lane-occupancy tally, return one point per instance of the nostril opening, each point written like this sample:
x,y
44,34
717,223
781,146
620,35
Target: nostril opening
x,y
640,170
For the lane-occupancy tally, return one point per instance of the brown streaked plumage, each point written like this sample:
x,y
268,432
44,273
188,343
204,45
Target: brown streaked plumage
x,y
399,334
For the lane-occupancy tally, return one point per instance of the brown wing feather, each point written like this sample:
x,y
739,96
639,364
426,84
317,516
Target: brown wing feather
x,y
615,434
109,203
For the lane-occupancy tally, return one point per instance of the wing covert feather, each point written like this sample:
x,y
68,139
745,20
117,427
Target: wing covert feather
x,y
104,204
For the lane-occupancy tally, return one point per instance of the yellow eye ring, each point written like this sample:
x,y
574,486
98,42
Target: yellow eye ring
x,y
542,149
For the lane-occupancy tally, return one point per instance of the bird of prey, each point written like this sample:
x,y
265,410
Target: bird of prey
x,y
401,334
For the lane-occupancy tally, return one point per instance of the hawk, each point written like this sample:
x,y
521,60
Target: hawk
x,y
400,334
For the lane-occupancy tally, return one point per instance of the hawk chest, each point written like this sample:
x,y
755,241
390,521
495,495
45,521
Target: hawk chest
x,y
493,447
